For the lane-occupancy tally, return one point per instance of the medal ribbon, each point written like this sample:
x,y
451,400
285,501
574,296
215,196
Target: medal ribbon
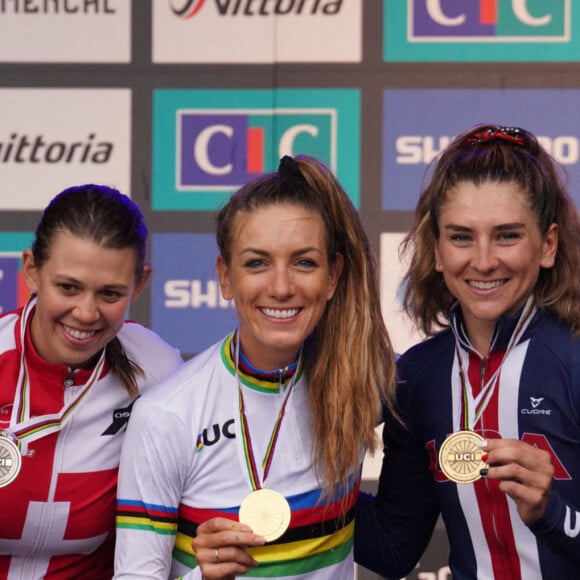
x,y
249,455
25,428
473,407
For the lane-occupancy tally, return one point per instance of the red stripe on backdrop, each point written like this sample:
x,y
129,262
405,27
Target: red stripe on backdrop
x,y
488,11
255,150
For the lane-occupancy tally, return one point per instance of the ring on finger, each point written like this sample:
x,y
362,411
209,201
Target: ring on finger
x,y
217,555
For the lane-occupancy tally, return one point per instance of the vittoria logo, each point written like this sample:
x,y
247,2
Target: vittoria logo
x,y
189,8
20,148
257,31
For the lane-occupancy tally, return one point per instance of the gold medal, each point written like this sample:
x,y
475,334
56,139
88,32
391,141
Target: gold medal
x,y
460,457
10,460
267,512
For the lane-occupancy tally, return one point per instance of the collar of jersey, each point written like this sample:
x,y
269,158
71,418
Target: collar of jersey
x,y
250,376
504,328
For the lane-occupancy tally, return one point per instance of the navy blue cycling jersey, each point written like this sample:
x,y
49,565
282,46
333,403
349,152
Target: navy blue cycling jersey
x,y
536,400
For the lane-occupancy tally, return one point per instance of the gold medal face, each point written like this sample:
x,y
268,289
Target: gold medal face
x,y
460,457
267,512
10,461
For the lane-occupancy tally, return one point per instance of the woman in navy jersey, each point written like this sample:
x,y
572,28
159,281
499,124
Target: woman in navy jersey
x,y
71,368
248,460
491,400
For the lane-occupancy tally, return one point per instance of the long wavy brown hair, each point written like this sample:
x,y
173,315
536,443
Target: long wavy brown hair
x,y
500,155
349,362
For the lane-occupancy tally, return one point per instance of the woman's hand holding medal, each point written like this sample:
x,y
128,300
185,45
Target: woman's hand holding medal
x,y
221,546
524,472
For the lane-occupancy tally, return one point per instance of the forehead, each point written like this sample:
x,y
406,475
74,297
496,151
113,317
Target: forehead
x,y
274,220
71,250
488,200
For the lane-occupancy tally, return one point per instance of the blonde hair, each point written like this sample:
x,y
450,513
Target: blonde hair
x,y
349,362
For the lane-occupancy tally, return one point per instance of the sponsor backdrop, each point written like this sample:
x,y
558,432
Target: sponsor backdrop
x,y
179,102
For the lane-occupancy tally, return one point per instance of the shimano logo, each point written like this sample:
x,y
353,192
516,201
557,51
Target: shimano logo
x,y
422,149
194,294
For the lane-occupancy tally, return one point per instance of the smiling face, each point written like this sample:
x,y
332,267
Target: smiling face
x,y
280,279
83,292
490,252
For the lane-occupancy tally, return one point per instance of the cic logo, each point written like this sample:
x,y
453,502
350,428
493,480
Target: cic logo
x,y
222,151
490,20
480,30
207,144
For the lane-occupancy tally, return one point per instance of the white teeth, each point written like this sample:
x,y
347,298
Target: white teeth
x,y
78,334
486,285
288,313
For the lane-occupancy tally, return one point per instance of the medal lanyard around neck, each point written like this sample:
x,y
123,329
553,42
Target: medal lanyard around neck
x,y
473,407
248,448
26,429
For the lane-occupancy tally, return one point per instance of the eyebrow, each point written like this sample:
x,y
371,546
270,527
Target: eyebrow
x,y
500,227
298,252
65,279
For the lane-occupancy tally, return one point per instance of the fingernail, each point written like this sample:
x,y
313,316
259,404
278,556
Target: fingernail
x,y
483,472
484,457
482,443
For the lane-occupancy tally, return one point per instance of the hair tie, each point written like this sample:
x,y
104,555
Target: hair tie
x,y
288,169
509,134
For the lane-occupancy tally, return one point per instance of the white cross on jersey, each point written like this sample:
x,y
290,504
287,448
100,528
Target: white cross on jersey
x,y
26,563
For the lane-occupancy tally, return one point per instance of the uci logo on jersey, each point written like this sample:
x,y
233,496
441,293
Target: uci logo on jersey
x,y
211,435
489,20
